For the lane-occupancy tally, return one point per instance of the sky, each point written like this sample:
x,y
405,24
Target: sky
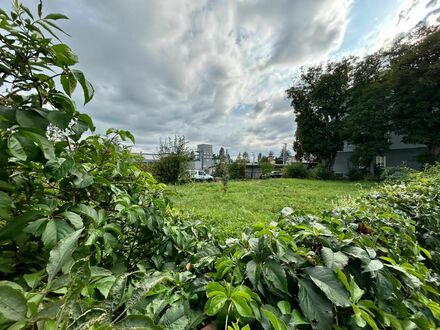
x,y
216,71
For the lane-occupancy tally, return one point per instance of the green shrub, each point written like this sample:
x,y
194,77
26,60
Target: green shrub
x,y
321,173
356,174
396,173
297,170
266,167
237,169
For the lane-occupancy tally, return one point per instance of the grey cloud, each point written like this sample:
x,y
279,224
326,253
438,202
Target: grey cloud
x,y
181,66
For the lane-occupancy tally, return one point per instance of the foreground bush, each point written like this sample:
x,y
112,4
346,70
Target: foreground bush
x,y
297,170
89,241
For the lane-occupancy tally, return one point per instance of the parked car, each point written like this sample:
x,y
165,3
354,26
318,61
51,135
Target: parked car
x,y
200,175
272,174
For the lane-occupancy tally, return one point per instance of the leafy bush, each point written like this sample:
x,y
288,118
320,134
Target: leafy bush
x,y
356,173
322,173
237,169
173,162
89,241
297,170
396,173
266,167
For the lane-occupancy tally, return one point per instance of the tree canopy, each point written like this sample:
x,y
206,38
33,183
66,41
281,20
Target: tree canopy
x,y
362,101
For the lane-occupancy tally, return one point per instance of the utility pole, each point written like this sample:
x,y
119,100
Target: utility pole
x,y
252,165
284,153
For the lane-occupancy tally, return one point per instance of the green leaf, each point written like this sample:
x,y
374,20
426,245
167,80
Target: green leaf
x,y
373,266
74,219
116,293
356,292
58,168
69,82
12,302
363,317
86,210
242,306
15,227
105,284
275,275
79,277
137,322
62,253
253,272
64,55
32,119
33,279
330,284
83,180
277,323
284,307
86,86
16,147
215,304
56,16
62,102
5,205
334,260
60,119
214,289
145,286
56,229
40,8
86,119
315,306
45,145
357,252
297,319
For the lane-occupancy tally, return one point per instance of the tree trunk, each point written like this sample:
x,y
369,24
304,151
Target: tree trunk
x,y
435,151
329,162
372,166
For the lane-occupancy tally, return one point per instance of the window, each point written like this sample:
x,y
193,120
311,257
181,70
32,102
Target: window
x,y
381,161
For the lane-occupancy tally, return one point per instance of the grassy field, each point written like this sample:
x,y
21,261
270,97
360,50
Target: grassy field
x,y
250,202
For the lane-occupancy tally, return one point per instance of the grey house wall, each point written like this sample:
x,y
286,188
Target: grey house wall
x,y
399,154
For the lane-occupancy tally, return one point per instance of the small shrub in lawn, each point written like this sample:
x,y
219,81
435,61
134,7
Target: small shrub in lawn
x,y
297,170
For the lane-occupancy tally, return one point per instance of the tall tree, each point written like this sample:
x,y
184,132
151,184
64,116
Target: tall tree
x,y
246,156
320,102
415,84
367,125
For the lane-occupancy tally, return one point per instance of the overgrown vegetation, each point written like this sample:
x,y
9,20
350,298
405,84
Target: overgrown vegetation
x,y
88,240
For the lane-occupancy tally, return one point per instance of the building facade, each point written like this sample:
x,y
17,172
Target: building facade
x,y
399,154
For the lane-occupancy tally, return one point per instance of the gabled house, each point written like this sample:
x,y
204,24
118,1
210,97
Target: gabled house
x,y
399,154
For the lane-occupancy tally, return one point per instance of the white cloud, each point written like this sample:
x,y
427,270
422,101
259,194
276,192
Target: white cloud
x,y
214,71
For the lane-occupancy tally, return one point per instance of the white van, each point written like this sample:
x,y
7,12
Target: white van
x,y
200,175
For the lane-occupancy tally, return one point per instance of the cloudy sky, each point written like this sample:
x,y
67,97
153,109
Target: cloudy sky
x,y
215,71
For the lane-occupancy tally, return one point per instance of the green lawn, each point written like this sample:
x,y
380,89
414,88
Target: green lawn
x,y
249,202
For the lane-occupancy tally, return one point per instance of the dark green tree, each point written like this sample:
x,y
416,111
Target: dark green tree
x,y
320,102
415,85
367,125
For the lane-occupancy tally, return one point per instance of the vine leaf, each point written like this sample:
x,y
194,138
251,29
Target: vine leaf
x,y
12,302
62,253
